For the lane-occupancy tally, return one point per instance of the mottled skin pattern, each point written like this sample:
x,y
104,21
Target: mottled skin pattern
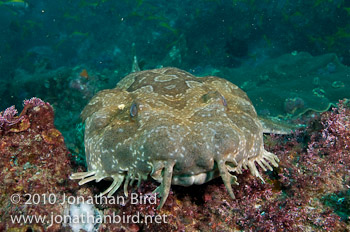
x,y
175,127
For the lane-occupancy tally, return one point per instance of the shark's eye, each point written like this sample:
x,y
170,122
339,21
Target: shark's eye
x,y
224,102
133,110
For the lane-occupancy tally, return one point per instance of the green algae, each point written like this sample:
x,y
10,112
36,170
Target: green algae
x,y
318,80
340,203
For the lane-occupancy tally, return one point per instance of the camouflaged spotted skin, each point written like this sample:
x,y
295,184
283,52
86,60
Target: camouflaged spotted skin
x,y
174,127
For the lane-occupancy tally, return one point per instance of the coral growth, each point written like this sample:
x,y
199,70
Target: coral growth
x,y
33,160
8,117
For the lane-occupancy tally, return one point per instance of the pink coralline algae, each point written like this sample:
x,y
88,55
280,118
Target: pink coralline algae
x,y
33,160
8,117
337,124
34,101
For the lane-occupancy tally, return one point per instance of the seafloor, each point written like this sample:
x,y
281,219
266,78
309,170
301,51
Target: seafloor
x,y
291,57
309,191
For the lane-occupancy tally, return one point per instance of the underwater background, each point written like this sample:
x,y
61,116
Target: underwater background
x,y
292,59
